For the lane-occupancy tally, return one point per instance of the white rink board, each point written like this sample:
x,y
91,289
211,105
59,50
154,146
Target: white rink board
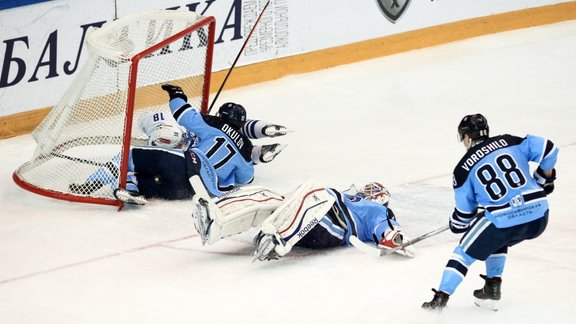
x,y
45,38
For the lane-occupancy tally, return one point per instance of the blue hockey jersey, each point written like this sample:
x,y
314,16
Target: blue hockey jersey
x,y
365,219
226,149
495,175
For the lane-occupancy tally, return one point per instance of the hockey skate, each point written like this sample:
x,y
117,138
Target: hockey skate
x,y
489,295
265,245
438,302
269,152
202,220
130,197
275,130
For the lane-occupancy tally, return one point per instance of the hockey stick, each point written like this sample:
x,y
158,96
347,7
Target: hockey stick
x,y
355,241
108,165
237,57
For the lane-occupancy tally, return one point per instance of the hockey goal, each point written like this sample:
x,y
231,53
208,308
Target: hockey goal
x,y
96,120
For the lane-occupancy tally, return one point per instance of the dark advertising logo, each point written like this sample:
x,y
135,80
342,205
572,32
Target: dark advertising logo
x,y
393,9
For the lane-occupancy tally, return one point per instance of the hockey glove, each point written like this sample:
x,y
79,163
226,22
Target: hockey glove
x,y
274,130
547,183
174,92
391,239
458,226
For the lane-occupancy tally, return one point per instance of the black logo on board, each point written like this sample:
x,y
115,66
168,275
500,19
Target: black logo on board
x,y
393,9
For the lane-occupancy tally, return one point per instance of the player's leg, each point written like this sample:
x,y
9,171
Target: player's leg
x,y
489,295
232,213
299,213
476,244
327,234
105,174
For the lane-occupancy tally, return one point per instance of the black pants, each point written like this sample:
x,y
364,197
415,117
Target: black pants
x,y
481,244
163,173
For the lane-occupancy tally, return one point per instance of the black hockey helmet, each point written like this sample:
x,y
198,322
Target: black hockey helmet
x,y
233,113
475,126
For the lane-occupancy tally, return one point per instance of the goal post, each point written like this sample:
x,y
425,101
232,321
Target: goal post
x,y
91,129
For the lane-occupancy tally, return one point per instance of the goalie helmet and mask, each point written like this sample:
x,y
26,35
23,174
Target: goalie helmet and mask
x,y
476,127
376,192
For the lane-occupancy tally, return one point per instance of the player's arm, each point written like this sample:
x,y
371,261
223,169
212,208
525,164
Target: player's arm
x,y
465,210
184,113
545,153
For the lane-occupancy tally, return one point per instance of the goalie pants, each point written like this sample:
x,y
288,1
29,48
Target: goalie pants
x,y
326,234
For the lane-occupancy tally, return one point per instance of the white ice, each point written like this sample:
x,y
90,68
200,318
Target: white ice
x,y
391,119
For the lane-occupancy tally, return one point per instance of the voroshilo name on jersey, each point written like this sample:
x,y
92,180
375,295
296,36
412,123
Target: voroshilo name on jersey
x,y
483,151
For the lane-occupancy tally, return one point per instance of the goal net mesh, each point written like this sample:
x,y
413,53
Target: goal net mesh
x,y
96,120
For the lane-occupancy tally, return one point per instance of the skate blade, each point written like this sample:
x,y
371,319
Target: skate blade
x,y
200,216
271,155
490,304
125,197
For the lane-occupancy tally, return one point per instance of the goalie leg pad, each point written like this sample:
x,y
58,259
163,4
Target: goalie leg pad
x,y
242,209
232,213
297,216
204,210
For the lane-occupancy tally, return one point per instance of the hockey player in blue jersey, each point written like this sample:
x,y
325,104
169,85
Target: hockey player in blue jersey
x,y
326,217
498,204
309,217
162,169
223,138
230,112
159,170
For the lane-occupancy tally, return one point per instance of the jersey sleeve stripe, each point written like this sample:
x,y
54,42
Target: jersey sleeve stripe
x,y
178,112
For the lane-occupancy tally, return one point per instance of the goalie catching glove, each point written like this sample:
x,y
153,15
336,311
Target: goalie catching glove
x,y
391,239
174,92
546,182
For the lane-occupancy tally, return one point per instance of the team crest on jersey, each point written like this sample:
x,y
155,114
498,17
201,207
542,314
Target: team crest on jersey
x,y
393,9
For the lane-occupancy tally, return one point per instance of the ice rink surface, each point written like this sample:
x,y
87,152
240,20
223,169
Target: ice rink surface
x,y
391,120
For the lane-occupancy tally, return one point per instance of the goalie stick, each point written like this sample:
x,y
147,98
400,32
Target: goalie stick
x,y
369,249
